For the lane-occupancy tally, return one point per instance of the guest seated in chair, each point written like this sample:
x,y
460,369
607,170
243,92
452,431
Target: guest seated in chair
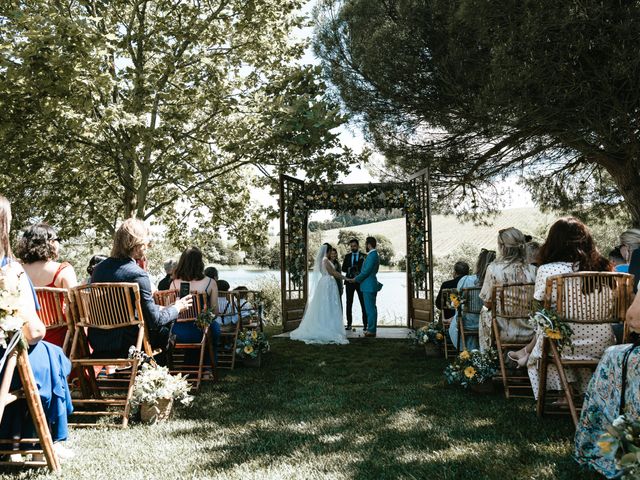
x,y
569,247
629,243
49,364
460,269
470,321
38,250
511,267
93,261
604,403
130,243
190,269
169,268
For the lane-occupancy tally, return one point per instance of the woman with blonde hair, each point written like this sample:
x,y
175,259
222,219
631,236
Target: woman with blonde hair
x,y
130,244
49,364
511,267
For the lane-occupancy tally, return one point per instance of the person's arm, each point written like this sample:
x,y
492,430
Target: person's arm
x,y
439,299
345,264
152,313
633,315
331,270
486,293
213,296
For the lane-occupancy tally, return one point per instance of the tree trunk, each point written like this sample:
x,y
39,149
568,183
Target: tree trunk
x,y
627,178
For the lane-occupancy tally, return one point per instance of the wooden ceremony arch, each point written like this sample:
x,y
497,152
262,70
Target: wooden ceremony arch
x,y
298,198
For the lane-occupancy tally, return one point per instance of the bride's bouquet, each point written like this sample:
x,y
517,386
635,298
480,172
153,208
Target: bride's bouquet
x,y
10,319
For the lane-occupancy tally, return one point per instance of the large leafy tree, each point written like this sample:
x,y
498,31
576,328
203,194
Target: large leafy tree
x,y
159,109
482,89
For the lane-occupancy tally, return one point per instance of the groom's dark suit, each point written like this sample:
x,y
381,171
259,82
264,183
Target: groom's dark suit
x,y
352,266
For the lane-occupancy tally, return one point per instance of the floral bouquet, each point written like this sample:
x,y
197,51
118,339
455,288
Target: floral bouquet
x,y
472,367
205,318
250,343
552,326
454,301
431,333
10,319
154,383
623,443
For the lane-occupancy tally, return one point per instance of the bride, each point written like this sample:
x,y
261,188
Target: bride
x,y
322,320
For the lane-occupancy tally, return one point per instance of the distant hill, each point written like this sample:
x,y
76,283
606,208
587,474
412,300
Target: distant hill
x,y
449,233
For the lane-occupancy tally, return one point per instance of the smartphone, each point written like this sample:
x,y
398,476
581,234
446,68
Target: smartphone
x,y
184,289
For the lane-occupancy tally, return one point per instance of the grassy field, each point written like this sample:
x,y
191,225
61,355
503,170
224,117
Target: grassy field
x,y
374,409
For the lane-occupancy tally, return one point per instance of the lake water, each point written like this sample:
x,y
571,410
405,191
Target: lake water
x,y
392,299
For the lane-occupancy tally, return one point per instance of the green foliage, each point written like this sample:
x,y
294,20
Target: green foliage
x,y
443,266
349,220
159,110
263,255
270,295
478,90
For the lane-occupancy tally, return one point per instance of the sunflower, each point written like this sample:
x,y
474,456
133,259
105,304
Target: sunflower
x,y
464,355
605,446
553,334
254,335
439,336
469,372
248,349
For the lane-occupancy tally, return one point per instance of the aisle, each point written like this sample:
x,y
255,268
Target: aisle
x,y
366,410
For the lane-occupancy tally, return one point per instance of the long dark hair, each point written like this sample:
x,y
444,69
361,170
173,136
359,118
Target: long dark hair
x,y
485,258
5,226
569,240
190,266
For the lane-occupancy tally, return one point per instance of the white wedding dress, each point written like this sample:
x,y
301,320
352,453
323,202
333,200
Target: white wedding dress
x,y
322,320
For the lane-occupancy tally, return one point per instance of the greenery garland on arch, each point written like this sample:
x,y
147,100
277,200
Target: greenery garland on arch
x,y
349,199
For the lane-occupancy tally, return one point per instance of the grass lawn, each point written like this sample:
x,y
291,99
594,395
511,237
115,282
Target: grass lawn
x,y
373,409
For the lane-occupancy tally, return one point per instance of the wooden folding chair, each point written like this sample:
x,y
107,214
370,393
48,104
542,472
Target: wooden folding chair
x,y
228,304
251,310
54,312
17,357
177,355
449,349
511,303
106,306
472,304
581,298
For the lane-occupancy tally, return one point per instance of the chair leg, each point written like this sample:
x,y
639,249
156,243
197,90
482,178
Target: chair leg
x,y
212,358
127,405
37,413
542,379
566,387
503,367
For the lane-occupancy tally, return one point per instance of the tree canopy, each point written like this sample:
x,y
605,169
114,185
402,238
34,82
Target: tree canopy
x,y
481,89
157,109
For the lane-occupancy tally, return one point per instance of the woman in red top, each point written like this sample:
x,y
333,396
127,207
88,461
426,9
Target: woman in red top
x,y
38,250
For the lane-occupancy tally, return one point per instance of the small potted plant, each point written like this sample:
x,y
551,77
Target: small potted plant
x,y
250,346
155,390
431,337
474,370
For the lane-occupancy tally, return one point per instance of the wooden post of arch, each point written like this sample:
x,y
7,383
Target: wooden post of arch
x,y
293,293
420,297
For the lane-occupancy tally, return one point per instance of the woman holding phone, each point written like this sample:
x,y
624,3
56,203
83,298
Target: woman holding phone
x,y
189,277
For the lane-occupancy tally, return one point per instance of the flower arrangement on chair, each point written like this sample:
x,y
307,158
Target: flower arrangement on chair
x,y
454,301
552,326
10,319
205,318
431,335
622,442
155,390
472,368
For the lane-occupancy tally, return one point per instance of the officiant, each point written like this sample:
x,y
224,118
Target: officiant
x,y
351,266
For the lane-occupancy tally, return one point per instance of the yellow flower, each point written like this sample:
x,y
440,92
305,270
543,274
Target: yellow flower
x,y
605,447
553,334
439,336
248,349
469,372
464,355
254,335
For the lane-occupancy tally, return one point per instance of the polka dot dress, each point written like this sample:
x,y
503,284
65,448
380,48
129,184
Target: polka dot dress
x,y
589,341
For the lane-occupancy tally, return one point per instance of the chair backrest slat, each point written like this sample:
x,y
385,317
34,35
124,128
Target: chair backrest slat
x,y
53,303
109,305
513,300
472,302
168,297
590,297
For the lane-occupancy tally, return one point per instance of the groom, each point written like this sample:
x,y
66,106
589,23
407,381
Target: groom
x,y
352,266
370,286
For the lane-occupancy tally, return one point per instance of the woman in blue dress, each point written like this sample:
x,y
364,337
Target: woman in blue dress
x,y
472,320
49,364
